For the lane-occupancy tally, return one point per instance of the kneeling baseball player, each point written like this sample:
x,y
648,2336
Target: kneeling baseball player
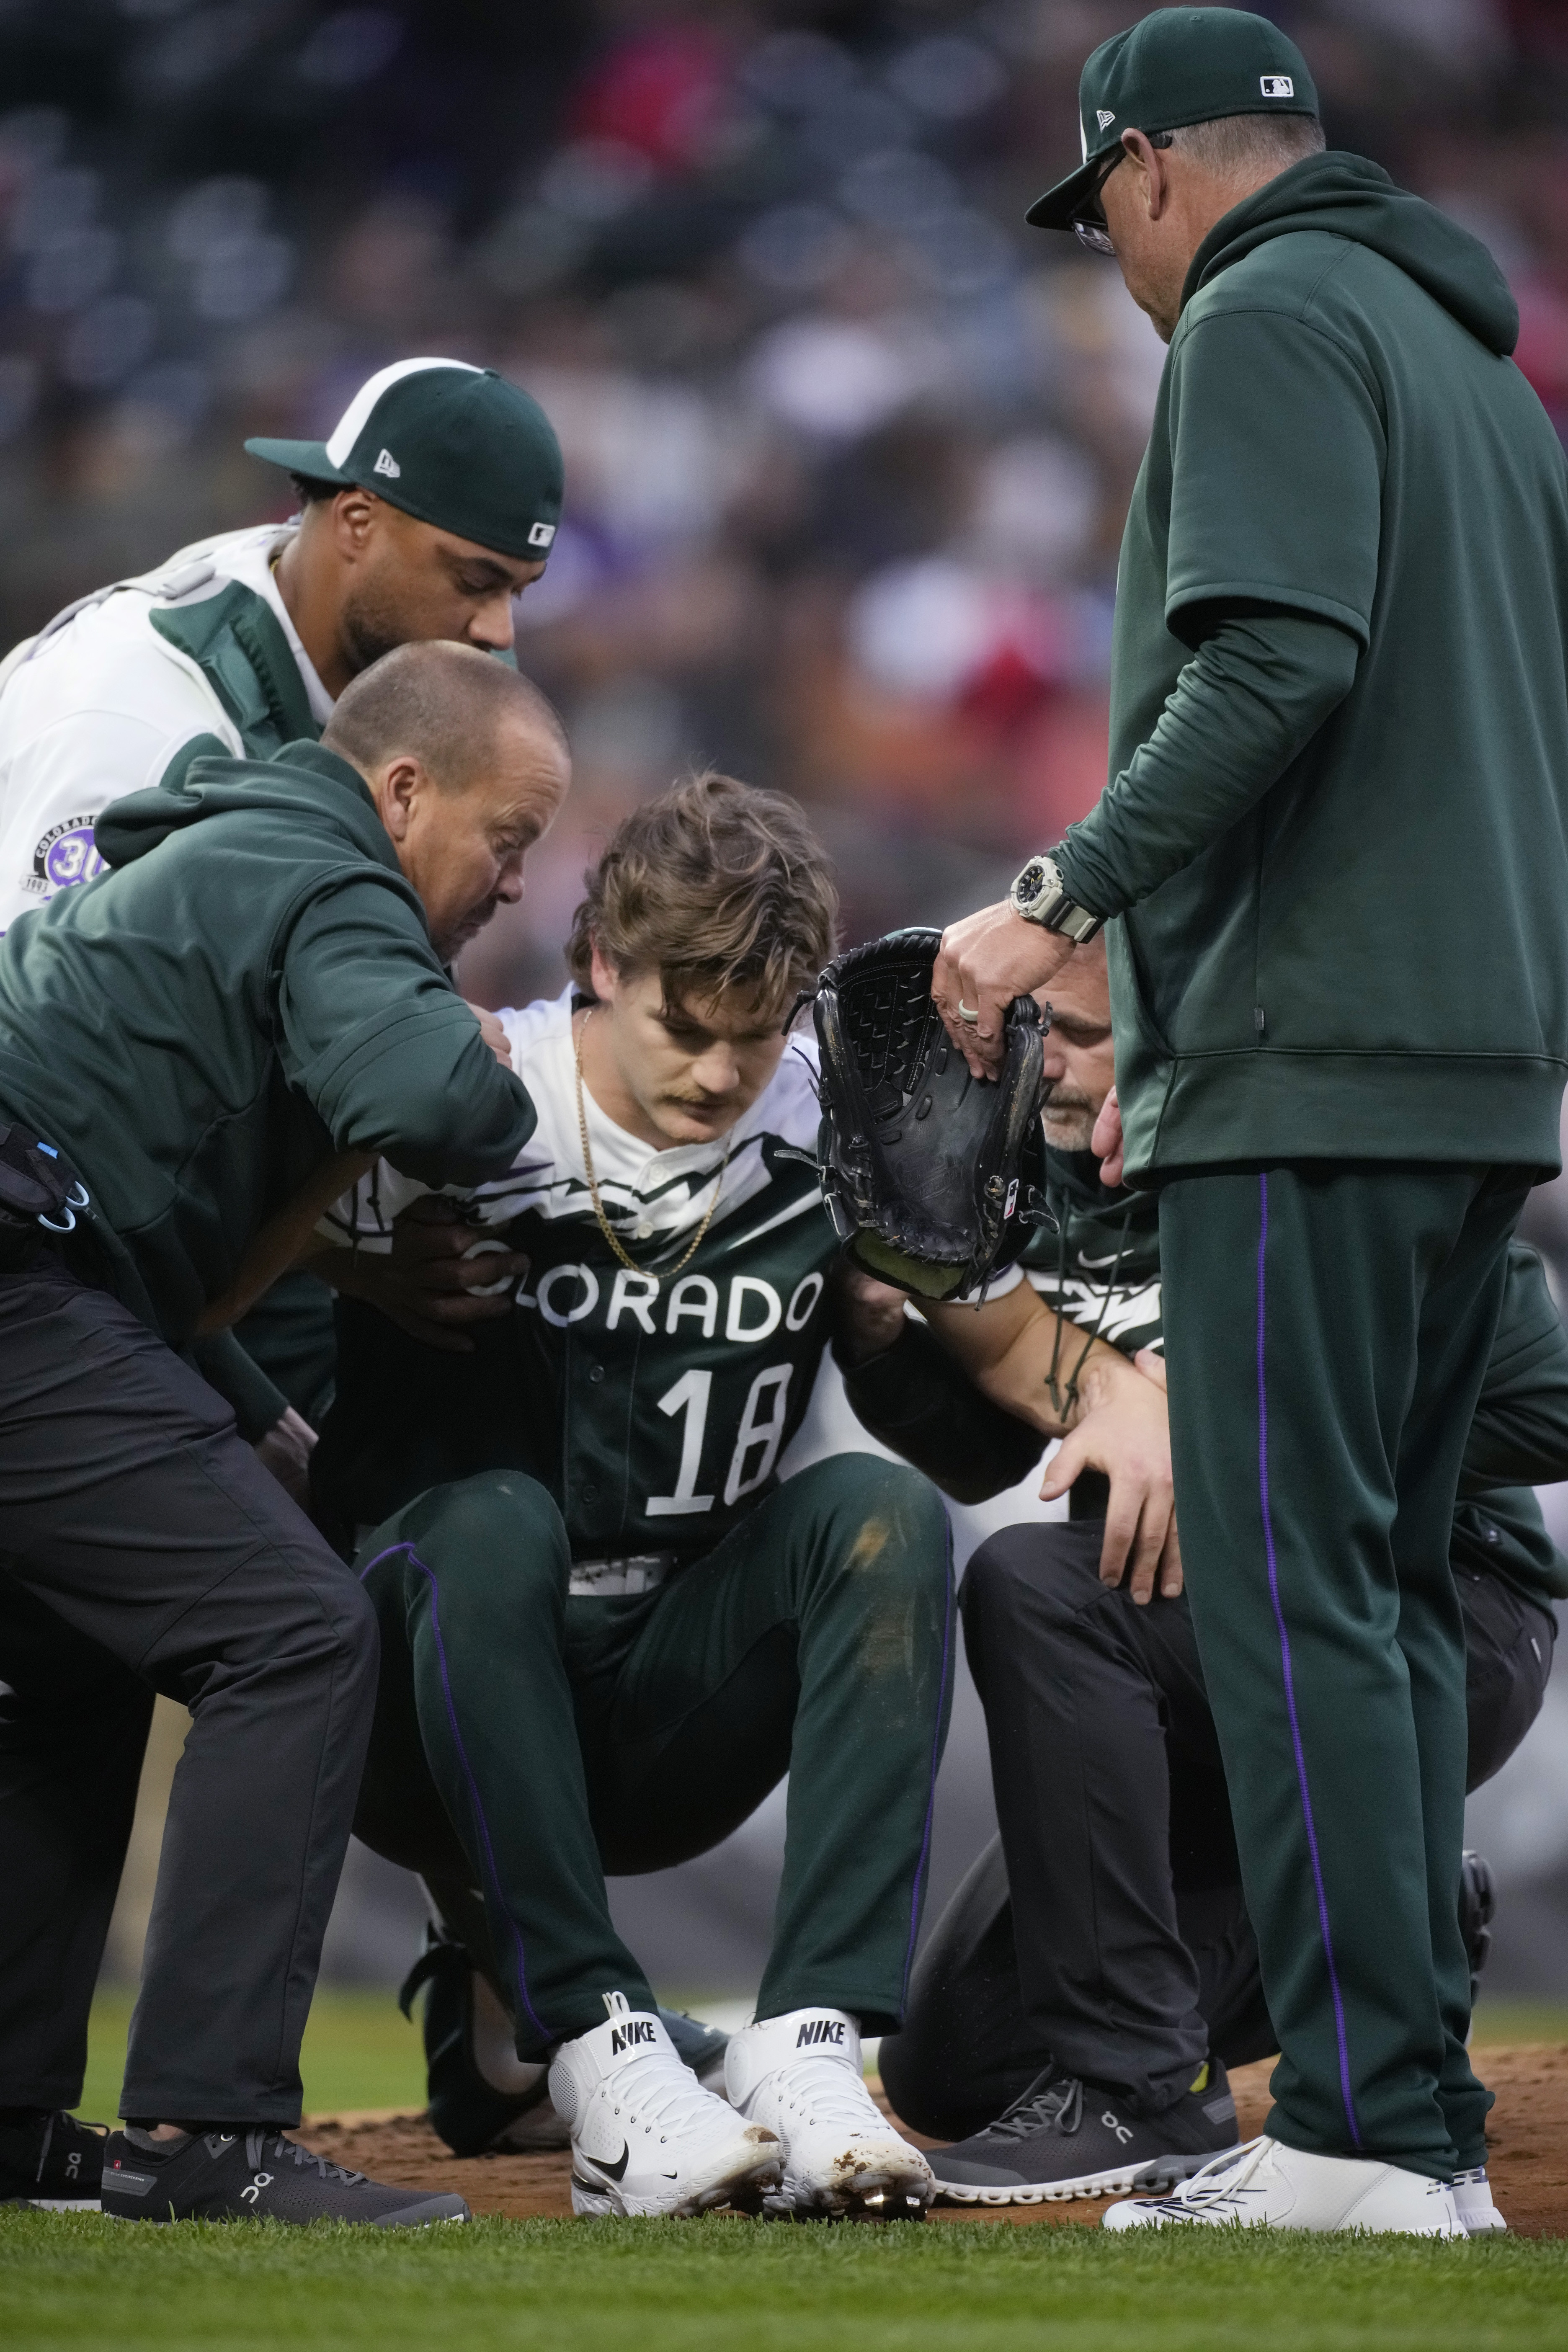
x,y
608,1630
1072,2013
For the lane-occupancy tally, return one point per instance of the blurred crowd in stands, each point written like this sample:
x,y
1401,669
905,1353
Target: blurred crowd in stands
x,y
848,447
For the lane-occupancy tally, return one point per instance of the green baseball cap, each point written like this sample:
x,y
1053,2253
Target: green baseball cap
x,y
452,445
1178,66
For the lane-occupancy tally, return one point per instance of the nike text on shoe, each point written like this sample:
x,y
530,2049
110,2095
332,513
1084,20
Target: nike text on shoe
x,y
1473,2199
646,2138
252,2174
1067,2138
50,2160
800,2075
1267,2186
483,2095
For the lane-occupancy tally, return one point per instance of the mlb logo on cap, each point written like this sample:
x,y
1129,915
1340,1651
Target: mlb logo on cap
x,y
1175,67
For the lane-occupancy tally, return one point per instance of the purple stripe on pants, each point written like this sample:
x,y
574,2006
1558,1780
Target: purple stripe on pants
x,y
1290,1680
484,1828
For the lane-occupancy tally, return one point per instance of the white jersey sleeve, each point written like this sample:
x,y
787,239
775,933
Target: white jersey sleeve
x,y
100,706
53,792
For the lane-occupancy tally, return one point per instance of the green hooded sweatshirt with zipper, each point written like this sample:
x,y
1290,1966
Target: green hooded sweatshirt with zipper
x,y
1337,825
251,989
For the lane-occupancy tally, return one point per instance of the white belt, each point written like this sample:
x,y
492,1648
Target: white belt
x,y
605,1579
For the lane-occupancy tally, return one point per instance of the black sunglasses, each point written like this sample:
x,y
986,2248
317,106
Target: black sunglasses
x,y
1089,225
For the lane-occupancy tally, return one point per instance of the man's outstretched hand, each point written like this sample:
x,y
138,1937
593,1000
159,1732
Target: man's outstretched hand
x,y
1124,1431
985,963
286,1451
493,1033
439,1276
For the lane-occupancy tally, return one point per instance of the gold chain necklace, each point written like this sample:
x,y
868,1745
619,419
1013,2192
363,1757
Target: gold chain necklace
x,y
605,1226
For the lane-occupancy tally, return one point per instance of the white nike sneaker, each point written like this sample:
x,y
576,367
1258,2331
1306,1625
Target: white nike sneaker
x,y
646,2136
1267,2186
800,2076
1473,2197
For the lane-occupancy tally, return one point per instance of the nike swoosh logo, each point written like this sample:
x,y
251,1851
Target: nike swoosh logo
x,y
615,2171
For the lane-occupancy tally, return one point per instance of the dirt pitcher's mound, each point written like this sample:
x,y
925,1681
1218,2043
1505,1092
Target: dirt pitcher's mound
x,y
1529,2164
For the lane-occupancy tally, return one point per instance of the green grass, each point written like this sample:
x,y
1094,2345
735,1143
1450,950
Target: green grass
x,y
711,2286
360,2051
1519,2021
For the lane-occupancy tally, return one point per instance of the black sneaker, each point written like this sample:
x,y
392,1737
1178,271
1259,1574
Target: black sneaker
x,y
700,2047
242,2175
50,2160
1477,1901
483,2096
1066,2139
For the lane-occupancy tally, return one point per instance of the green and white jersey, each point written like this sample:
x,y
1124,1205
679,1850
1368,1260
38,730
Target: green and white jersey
x,y
1101,1268
200,655
653,1405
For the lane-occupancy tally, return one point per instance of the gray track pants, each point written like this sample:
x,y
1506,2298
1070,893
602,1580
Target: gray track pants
x,y
144,1548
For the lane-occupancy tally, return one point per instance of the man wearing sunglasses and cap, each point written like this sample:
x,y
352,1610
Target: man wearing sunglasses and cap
x,y
1334,854
432,504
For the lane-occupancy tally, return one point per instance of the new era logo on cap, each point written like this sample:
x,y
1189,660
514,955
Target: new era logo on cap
x,y
1276,86
1103,118
387,464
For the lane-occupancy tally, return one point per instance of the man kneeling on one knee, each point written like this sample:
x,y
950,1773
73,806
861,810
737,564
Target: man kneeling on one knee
x,y
1073,2011
608,1630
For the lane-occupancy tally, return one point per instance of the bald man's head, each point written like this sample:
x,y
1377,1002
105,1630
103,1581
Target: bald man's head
x,y
443,701
467,762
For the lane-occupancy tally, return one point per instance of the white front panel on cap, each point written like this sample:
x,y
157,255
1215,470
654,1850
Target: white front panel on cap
x,y
352,423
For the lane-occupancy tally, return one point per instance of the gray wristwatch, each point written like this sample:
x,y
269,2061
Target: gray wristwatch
x,y
1040,896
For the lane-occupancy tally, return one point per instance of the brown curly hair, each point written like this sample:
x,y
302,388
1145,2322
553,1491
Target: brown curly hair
x,y
713,885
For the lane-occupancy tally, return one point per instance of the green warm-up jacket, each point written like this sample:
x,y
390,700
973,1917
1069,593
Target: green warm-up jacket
x,y
1337,825
250,989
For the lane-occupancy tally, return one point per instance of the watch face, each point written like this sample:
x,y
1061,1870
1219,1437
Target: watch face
x,y
1030,882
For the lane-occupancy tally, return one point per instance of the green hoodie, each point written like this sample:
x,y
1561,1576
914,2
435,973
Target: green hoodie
x,y
1335,828
251,989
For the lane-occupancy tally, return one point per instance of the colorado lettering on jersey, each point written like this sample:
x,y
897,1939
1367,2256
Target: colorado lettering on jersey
x,y
754,1310
654,1400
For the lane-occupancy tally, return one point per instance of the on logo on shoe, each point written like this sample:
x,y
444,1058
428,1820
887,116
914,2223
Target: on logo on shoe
x,y
623,2036
819,2028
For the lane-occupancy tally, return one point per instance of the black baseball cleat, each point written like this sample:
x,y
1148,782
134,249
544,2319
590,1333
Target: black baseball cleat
x,y
50,2160
482,2095
700,2047
253,2175
1068,2138
1478,1901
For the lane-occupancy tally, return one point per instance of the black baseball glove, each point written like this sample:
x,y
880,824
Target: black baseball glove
x,y
932,1178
